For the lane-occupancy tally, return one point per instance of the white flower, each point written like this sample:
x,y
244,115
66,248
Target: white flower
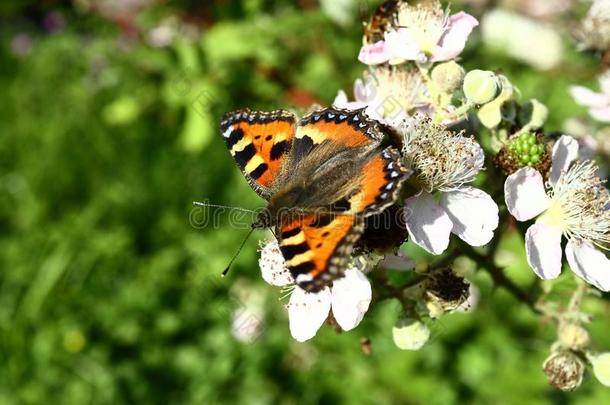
x,y
424,33
598,103
388,96
446,163
349,297
576,205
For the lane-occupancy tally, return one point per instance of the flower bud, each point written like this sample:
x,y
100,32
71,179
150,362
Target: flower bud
x,y
448,76
564,370
533,114
491,113
573,336
481,86
410,334
601,368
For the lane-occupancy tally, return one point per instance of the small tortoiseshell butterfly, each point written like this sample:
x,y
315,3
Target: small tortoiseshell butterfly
x,y
322,177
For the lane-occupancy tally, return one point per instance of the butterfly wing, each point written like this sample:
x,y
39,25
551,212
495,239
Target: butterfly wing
x,y
259,142
316,245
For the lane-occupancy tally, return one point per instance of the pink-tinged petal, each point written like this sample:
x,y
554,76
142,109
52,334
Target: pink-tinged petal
x,y
589,98
601,114
525,195
272,265
474,214
543,248
374,54
365,91
307,312
452,43
350,298
565,152
401,45
428,224
589,263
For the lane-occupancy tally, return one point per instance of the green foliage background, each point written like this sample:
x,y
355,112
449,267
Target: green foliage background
x,y
109,295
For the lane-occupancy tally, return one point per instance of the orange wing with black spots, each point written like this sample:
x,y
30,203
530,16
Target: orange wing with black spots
x,y
328,173
316,246
259,143
345,128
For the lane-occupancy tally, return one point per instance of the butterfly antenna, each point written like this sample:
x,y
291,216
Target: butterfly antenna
x,y
226,270
207,204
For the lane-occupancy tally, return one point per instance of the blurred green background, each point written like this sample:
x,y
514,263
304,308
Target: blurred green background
x,y
108,131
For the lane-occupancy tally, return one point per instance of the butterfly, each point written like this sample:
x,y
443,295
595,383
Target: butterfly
x,y
322,177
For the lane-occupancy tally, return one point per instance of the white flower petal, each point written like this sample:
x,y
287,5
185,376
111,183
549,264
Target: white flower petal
x,y
589,263
460,26
401,45
307,312
474,214
341,99
525,195
273,266
350,298
589,98
601,114
565,152
543,248
428,224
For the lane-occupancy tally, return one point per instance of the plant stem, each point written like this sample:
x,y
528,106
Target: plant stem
x,y
497,274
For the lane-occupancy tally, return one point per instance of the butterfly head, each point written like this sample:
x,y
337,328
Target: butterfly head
x,y
263,220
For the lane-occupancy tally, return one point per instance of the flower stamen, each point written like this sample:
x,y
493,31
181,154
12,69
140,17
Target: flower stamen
x,y
580,204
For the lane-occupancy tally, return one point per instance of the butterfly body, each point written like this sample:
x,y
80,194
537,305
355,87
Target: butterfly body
x,y
331,170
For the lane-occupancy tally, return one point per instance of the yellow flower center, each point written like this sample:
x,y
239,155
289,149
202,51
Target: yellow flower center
x,y
555,215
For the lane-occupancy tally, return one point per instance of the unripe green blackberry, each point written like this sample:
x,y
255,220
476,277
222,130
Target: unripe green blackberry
x,y
526,149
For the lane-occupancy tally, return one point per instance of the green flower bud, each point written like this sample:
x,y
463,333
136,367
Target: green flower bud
x,y
564,370
481,86
533,114
410,334
491,113
448,76
601,368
